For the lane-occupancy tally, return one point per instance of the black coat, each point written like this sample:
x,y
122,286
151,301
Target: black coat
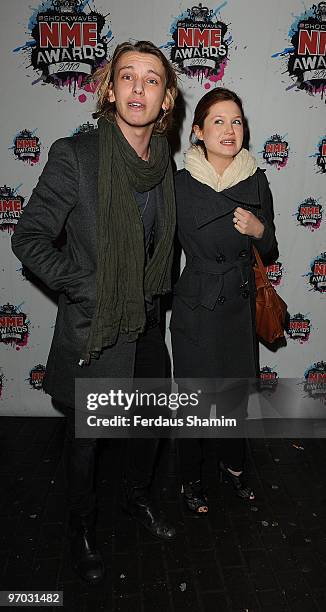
x,y
213,314
66,197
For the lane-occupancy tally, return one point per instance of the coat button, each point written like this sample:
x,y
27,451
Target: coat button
x,y
243,253
245,294
220,258
221,299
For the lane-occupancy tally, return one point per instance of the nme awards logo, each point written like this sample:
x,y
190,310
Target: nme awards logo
x,y
320,155
274,273
36,377
11,208
200,47
299,328
84,128
315,381
27,147
317,274
13,325
276,151
67,43
268,378
310,214
306,62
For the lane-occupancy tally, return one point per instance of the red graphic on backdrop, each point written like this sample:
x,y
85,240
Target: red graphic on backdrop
x,y
317,275
275,273
310,213
36,376
11,208
276,151
315,381
13,325
299,328
27,147
268,379
200,47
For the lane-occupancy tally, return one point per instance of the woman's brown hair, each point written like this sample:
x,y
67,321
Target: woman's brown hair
x,y
104,78
219,94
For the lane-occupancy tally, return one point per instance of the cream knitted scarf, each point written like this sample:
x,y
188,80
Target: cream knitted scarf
x,y
242,166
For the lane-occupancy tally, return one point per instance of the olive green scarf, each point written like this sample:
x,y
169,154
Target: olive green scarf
x,y
122,280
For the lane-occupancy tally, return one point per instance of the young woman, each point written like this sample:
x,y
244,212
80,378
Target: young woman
x,y
224,206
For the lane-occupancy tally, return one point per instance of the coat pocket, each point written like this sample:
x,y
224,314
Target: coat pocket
x,y
185,320
185,317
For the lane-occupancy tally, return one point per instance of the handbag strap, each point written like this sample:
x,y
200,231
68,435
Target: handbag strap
x,y
261,268
259,261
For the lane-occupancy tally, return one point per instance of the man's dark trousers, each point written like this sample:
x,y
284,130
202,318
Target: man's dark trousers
x,y
79,453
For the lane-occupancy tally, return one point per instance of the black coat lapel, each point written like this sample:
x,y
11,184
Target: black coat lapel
x,y
211,205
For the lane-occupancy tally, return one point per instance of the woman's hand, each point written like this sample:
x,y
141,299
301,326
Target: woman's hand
x,y
247,223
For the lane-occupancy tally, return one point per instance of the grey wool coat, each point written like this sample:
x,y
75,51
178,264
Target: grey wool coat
x,y
66,197
213,315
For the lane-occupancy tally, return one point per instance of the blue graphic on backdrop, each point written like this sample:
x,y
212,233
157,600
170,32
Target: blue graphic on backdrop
x,y
200,43
305,58
310,214
67,44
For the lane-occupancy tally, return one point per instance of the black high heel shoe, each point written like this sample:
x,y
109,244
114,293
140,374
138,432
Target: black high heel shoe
x,y
195,498
239,484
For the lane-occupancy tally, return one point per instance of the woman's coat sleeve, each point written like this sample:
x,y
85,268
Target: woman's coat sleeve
x,y
267,244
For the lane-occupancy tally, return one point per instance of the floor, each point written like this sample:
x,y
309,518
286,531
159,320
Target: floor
x,y
267,555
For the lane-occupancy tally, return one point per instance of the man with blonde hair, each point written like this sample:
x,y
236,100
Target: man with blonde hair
x,y
112,192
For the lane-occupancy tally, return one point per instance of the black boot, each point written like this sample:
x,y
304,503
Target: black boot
x,y
137,503
86,559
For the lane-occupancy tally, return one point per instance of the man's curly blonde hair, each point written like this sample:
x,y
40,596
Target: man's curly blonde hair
x,y
104,78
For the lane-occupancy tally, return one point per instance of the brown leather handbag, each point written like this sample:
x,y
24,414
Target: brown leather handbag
x,y
270,308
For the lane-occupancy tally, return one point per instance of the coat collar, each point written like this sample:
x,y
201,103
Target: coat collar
x,y
211,205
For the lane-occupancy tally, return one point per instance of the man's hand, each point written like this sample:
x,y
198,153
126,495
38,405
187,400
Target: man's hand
x,y
247,223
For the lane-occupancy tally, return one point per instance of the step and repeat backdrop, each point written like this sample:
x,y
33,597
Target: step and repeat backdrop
x,y
272,53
